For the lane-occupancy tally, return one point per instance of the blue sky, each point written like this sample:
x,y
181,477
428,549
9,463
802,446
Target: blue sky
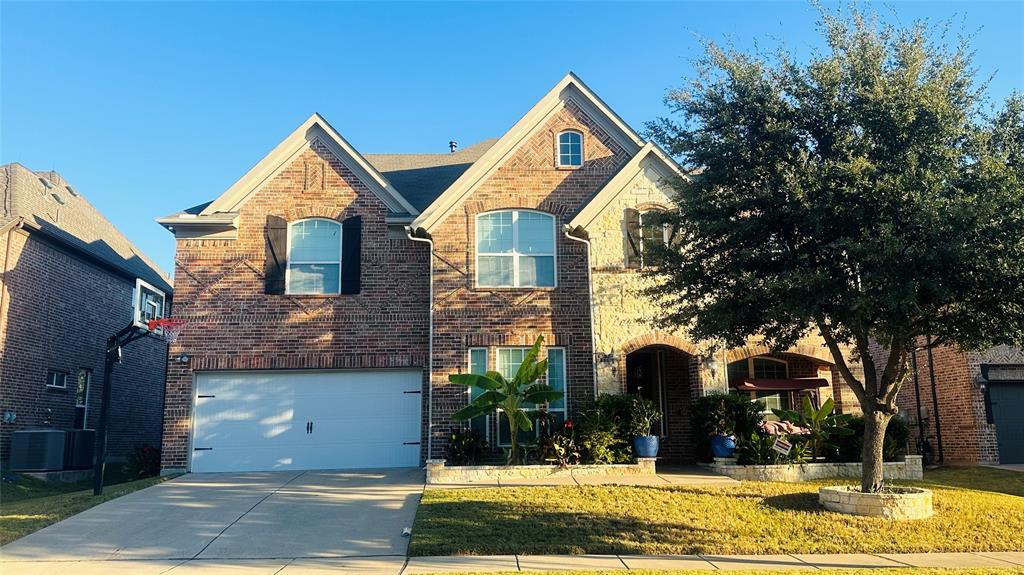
x,y
148,108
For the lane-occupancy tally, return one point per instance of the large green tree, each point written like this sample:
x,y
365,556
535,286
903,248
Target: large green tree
x,y
861,193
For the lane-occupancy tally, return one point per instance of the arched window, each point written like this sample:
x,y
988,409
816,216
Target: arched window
x,y
515,248
570,149
314,257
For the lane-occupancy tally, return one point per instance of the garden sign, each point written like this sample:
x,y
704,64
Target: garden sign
x,y
782,446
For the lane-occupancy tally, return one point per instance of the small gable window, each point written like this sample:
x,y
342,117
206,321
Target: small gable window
x,y
314,257
515,248
570,149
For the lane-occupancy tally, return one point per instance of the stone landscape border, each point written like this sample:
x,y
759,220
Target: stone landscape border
x,y
440,474
893,503
910,468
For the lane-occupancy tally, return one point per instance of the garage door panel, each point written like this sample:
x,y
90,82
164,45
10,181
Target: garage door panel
x,y
251,421
1008,414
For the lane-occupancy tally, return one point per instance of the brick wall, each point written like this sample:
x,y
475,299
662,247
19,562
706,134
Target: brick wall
x,y
466,316
234,324
57,312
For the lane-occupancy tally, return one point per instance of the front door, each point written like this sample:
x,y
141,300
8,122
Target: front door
x,y
645,370
1008,414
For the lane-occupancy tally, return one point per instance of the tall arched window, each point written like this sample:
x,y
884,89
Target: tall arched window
x,y
314,257
515,248
570,149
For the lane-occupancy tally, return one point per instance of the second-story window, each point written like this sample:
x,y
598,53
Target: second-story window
x,y
314,257
515,248
570,149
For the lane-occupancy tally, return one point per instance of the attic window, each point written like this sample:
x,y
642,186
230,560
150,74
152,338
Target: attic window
x,y
570,149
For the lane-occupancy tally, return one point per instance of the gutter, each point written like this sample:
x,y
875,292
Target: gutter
x,y
420,235
590,295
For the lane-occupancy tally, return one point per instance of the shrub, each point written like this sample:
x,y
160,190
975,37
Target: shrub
x,y
756,448
143,461
602,429
725,413
465,447
894,446
643,415
560,446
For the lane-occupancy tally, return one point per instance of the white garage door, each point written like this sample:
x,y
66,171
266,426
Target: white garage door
x,y
270,420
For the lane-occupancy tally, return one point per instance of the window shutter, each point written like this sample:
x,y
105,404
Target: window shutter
x,y
351,254
631,221
277,255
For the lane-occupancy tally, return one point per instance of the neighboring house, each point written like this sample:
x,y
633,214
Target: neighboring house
x,y
67,284
968,406
330,295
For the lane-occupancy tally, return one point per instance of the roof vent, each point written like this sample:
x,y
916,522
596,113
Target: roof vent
x,y
58,199
453,145
47,183
72,191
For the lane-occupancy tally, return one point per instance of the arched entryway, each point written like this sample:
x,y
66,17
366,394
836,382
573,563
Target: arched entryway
x,y
665,370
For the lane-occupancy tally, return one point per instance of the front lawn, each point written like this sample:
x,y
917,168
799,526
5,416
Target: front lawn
x,y
751,518
27,505
902,571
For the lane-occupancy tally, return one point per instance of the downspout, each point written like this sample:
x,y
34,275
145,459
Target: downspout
x,y
590,297
409,233
935,401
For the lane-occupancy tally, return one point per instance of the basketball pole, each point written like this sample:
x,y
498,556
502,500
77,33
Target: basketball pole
x,y
112,356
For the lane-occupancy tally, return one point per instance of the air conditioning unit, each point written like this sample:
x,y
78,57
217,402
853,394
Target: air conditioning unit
x,y
79,448
37,450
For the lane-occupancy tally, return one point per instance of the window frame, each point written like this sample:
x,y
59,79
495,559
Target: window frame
x,y
290,261
84,406
783,395
564,410
63,377
469,390
664,232
558,150
515,254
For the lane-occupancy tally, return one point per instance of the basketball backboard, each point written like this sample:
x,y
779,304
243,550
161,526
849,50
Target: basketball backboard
x,y
149,304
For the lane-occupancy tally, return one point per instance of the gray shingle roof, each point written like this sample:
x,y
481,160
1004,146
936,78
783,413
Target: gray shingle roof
x,y
47,203
421,178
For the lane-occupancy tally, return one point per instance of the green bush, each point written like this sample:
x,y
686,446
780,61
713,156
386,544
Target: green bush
x,y
894,446
465,447
603,429
143,461
725,413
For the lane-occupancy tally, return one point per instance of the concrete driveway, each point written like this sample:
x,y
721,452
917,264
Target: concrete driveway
x,y
247,521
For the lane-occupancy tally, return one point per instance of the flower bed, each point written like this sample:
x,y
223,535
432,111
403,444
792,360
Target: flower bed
x,y
438,473
910,468
893,503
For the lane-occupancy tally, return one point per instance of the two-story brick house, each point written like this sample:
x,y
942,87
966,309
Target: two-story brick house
x,y
330,294
67,283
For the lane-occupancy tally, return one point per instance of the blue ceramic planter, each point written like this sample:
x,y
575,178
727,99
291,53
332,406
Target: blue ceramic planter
x,y
646,446
722,445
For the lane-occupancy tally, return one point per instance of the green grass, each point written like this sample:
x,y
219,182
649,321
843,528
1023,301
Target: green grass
x,y
27,505
755,518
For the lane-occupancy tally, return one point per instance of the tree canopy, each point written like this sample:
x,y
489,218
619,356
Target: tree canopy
x,y
862,193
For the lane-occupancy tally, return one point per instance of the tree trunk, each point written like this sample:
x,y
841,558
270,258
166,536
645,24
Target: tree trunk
x,y
873,457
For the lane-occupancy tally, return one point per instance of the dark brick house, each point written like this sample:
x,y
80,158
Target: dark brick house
x,y
330,294
67,283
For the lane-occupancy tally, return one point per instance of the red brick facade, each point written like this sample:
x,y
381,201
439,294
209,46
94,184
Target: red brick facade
x,y
235,325
466,316
57,310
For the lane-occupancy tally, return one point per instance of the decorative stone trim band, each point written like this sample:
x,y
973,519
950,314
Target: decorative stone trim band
x,y
910,468
439,473
894,503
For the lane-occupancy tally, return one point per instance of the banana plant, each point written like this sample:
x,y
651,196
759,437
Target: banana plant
x,y
509,395
821,423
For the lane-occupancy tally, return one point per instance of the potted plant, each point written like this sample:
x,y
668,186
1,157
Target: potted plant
x,y
721,417
643,415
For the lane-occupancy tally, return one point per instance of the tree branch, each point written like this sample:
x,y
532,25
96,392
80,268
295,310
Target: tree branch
x,y
841,365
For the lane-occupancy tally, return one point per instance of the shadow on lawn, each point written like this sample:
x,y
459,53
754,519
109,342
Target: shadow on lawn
x,y
496,528
804,502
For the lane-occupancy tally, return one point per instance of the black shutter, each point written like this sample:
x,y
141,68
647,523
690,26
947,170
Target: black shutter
x,y
631,225
351,254
277,255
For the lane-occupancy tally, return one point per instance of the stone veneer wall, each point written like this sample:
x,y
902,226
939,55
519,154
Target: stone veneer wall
x,y
439,473
910,468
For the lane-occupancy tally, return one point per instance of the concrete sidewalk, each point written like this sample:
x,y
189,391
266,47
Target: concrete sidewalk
x,y
399,565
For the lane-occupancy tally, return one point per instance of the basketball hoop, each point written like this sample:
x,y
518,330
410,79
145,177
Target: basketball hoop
x,y
169,328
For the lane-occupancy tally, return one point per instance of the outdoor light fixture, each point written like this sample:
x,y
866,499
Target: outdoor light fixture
x,y
981,380
711,364
183,358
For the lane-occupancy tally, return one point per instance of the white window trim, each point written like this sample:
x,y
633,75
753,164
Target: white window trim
x,y
469,390
515,254
750,364
558,150
564,410
64,379
290,262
